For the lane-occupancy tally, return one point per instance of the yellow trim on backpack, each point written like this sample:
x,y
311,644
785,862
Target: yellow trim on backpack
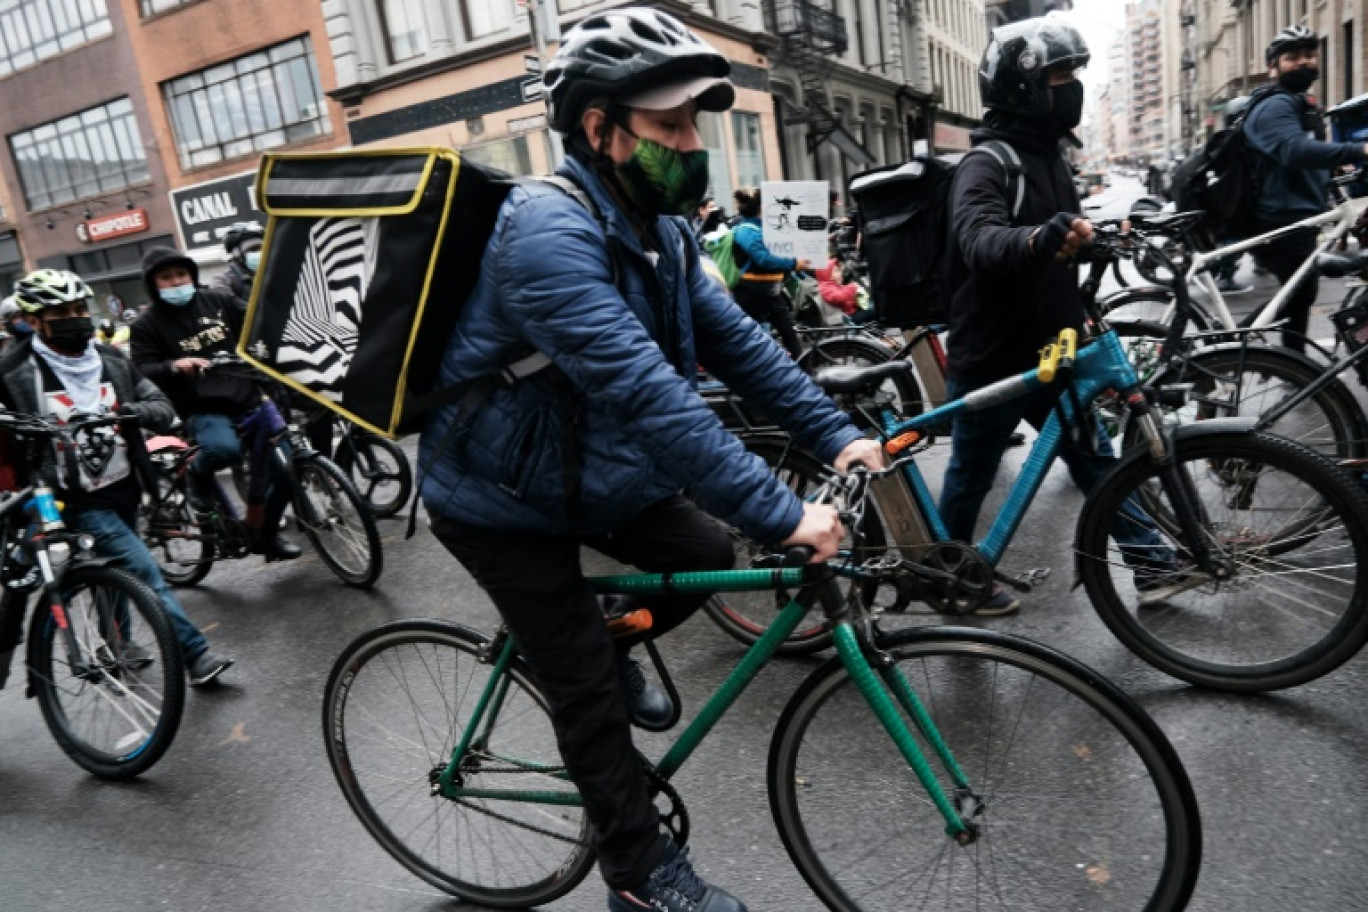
x,y
433,153
268,159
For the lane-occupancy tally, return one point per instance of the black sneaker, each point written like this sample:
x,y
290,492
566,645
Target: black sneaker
x,y
649,706
276,547
205,667
133,656
1156,586
674,887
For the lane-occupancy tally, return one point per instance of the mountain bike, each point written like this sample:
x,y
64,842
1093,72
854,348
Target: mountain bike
x,y
187,542
930,765
101,658
1268,536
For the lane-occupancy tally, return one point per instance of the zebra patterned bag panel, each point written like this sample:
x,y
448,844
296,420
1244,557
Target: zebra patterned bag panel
x,y
367,260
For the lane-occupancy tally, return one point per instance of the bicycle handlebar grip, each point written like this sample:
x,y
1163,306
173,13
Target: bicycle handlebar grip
x,y
798,555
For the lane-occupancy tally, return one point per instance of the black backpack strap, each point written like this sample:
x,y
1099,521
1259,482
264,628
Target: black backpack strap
x,y
1011,163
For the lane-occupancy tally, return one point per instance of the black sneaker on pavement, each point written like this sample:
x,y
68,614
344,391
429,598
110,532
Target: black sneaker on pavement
x,y
1157,586
205,667
999,604
1232,287
133,656
674,886
276,547
649,706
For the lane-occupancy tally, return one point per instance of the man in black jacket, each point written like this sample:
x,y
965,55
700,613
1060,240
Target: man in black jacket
x,y
1015,279
58,371
1287,129
172,344
242,243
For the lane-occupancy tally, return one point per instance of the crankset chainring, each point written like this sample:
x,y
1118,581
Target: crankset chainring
x,y
972,578
676,817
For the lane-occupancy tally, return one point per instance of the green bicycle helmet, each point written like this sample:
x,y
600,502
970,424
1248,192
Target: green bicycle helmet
x,y
50,288
624,53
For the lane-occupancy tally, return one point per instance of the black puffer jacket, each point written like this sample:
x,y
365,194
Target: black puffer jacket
x,y
1007,303
211,322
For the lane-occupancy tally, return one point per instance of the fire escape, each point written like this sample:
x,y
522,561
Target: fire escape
x,y
811,38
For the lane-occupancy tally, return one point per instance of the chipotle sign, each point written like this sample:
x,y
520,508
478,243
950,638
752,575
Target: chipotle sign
x,y
112,226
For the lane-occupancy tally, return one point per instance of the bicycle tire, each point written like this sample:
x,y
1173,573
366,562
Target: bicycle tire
x,y
1148,305
174,536
337,521
396,704
1085,802
1251,380
745,616
908,398
90,711
1292,527
378,469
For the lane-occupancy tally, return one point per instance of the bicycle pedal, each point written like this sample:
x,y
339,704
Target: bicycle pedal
x,y
1027,581
632,622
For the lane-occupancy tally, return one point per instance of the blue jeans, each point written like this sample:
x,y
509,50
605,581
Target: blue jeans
x,y
977,443
116,540
217,438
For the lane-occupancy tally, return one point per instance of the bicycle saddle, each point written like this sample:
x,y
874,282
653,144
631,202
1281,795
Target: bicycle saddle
x,y
851,378
1339,265
1167,221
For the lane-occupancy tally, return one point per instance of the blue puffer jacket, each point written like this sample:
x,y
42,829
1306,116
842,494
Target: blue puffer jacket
x,y
1296,174
758,259
630,350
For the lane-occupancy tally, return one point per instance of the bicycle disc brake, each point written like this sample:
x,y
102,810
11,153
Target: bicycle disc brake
x,y
676,817
966,579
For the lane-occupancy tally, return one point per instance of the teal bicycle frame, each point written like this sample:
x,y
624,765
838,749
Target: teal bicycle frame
x,y
1099,366
886,692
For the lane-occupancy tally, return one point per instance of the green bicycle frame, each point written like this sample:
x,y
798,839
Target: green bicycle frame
x,y
876,692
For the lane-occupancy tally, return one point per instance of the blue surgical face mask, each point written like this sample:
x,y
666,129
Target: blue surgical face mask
x,y
20,328
252,258
178,295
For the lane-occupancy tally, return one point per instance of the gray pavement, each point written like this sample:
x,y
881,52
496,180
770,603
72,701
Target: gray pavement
x,y
243,812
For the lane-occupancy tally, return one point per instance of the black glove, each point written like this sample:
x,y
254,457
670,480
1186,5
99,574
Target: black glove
x,y
1049,237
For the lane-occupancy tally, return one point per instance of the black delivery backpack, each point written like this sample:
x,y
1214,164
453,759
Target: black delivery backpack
x,y
367,260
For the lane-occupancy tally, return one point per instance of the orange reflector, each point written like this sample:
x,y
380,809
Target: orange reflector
x,y
638,621
901,442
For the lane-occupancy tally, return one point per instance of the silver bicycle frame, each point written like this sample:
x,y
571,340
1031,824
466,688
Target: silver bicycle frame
x,y
1342,217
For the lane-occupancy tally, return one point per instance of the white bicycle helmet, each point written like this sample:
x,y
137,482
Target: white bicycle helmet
x,y
1292,38
50,288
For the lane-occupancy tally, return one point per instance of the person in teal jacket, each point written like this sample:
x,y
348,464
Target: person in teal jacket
x,y
763,273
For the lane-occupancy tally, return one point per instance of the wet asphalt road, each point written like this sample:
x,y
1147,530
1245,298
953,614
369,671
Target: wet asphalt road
x,y
243,813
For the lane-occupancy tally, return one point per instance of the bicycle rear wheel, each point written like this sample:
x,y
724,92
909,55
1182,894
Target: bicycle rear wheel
x,y
1290,526
746,615
173,534
397,703
378,469
903,390
114,707
1083,802
337,521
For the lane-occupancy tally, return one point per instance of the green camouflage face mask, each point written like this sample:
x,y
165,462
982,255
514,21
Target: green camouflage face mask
x,y
663,181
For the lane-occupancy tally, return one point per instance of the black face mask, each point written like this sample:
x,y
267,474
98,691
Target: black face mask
x,y
71,334
1066,105
1300,79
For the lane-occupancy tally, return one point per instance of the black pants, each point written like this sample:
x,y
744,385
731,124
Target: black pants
x,y
763,303
536,583
1283,257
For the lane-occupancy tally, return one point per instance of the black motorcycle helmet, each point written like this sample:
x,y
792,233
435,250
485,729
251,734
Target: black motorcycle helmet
x,y
1012,73
622,53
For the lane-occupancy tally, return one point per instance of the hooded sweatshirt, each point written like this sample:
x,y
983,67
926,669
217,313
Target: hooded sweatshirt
x,y
210,323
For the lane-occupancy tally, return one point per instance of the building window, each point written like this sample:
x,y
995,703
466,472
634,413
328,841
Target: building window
x,y
96,151
33,30
509,155
266,99
153,7
710,130
486,17
406,28
750,154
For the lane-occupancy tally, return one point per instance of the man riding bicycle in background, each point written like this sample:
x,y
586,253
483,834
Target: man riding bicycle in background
x,y
598,446
1287,130
242,243
173,344
58,372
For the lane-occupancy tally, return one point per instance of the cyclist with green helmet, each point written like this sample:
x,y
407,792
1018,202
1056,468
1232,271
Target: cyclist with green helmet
x,y
595,447
59,372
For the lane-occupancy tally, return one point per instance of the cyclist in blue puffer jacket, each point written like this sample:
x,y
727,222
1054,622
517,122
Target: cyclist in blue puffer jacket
x,y
598,445
763,273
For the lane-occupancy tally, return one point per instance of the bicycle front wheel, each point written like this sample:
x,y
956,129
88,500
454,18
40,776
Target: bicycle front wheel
x,y
337,521
1289,526
1081,802
398,702
114,695
378,469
